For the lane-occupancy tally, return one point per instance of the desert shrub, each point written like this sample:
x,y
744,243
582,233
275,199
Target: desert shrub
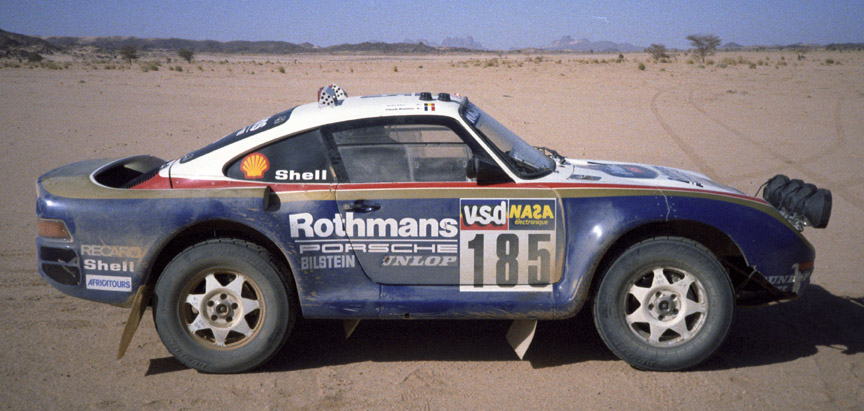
x,y
704,44
34,57
709,62
178,68
760,63
186,54
641,66
752,65
200,68
490,63
281,69
395,69
689,61
722,65
829,61
129,52
657,51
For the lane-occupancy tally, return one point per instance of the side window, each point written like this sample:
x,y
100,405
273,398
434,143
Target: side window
x,y
297,159
396,152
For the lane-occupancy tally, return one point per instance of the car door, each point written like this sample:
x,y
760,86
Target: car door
x,y
414,217
305,218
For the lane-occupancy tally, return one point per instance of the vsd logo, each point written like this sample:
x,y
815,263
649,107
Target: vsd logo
x,y
485,214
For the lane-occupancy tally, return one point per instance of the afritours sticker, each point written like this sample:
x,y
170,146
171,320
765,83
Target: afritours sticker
x,y
109,283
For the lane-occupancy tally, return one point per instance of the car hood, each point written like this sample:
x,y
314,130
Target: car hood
x,y
579,171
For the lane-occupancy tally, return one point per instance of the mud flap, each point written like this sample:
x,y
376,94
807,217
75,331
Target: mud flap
x,y
349,325
520,335
139,304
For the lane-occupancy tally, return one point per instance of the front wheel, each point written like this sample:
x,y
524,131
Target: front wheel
x,y
665,304
223,306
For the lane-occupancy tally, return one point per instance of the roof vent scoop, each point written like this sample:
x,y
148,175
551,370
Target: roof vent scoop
x,y
331,95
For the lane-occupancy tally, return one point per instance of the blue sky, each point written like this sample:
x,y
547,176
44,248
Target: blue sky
x,y
496,24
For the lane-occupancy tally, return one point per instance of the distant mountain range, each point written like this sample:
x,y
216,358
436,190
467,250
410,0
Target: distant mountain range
x,y
22,46
466,42
566,43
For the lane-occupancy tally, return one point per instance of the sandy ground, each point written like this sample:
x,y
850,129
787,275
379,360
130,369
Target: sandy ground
x,y
740,125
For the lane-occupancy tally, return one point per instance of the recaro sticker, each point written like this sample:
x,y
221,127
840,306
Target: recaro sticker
x,y
506,245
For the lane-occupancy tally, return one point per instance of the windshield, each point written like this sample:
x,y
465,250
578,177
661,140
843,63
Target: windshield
x,y
525,160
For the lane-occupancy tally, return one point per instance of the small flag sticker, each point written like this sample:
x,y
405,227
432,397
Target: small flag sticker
x,y
428,106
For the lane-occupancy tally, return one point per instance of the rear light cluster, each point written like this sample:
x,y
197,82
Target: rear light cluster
x,y
53,229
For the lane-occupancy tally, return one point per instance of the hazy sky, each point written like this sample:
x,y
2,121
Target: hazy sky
x,y
497,24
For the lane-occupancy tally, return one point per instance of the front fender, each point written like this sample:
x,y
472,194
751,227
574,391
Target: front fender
x,y
593,226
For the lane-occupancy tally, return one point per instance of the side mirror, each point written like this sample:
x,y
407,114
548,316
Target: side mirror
x,y
485,171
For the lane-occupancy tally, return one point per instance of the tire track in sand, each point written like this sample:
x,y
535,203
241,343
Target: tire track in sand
x,y
700,162
814,175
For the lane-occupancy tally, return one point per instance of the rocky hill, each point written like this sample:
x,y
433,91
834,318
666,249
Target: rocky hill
x,y
21,46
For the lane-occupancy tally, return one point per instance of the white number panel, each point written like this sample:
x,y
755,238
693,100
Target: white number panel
x,y
506,245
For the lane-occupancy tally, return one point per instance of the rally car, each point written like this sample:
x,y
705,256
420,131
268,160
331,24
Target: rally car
x,y
416,206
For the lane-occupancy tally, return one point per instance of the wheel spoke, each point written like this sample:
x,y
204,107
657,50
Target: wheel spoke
x,y
693,307
656,331
639,292
680,327
219,335
637,316
659,278
242,327
211,283
200,323
249,305
195,301
237,284
683,285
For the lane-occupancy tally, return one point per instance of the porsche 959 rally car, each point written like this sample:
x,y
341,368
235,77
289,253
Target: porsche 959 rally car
x,y
416,206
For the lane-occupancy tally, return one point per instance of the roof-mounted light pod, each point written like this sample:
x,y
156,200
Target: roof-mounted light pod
x,y
425,96
331,95
443,97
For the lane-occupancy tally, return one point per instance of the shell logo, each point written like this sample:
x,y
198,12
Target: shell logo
x,y
254,165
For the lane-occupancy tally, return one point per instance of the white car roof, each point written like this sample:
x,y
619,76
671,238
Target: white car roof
x,y
313,115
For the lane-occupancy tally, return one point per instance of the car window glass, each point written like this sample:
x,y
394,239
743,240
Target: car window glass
x,y
298,159
402,153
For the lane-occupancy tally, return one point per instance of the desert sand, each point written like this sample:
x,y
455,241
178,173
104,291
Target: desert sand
x,y
739,124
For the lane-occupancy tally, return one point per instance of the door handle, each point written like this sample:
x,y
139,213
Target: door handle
x,y
361,206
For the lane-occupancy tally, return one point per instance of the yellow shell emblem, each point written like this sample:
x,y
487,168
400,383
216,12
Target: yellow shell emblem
x,y
255,165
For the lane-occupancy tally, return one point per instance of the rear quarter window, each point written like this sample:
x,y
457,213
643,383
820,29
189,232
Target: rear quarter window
x,y
300,158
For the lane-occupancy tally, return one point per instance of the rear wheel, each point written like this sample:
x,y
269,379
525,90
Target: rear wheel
x,y
665,304
223,306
